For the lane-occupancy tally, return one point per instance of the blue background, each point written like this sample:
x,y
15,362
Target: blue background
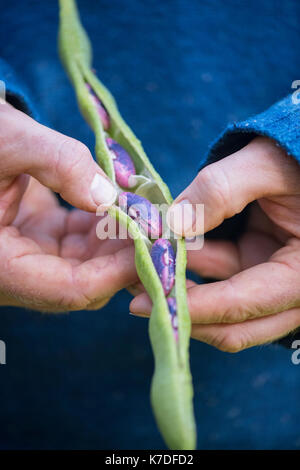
x,y
180,70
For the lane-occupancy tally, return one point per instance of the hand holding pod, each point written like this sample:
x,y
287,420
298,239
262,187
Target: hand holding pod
x,y
171,389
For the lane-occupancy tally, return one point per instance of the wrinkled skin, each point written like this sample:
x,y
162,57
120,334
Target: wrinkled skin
x,y
50,258
257,297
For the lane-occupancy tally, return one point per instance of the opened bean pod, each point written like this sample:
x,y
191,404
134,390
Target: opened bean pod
x,y
160,262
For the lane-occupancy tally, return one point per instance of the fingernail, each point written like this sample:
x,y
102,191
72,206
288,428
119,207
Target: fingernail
x,y
181,217
138,315
2,101
102,190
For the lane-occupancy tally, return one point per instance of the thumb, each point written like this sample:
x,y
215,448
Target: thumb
x,y
61,163
223,189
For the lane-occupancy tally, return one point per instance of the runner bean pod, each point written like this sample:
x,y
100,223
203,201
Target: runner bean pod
x,y
173,314
100,108
171,388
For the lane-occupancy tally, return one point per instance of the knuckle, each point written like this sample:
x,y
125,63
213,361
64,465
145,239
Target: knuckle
x,y
230,340
214,182
71,299
111,259
289,256
71,155
231,310
81,280
236,309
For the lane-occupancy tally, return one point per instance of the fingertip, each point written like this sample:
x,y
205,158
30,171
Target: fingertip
x,y
140,305
181,217
103,191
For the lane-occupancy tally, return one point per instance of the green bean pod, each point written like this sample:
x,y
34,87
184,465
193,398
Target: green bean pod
x,y
171,389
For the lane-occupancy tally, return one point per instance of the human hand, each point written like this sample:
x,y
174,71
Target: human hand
x,y
50,258
257,299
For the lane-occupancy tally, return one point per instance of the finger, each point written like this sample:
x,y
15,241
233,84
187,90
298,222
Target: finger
x,y
261,169
136,289
239,336
32,278
61,163
75,246
50,283
46,228
142,305
100,246
106,275
11,197
84,242
256,248
36,199
217,259
222,259
262,290
80,221
98,304
75,242
105,247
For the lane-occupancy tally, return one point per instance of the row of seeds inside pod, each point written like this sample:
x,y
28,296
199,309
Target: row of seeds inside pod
x,y
142,211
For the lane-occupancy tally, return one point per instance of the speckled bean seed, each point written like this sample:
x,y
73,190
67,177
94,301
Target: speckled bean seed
x,y
163,257
100,108
123,164
143,212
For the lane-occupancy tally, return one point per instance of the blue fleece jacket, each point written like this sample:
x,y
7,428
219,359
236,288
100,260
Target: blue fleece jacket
x,y
196,81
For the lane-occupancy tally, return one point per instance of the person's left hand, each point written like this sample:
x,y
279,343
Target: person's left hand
x,y
257,299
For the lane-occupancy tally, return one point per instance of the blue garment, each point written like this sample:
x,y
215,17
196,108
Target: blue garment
x,y
280,122
181,71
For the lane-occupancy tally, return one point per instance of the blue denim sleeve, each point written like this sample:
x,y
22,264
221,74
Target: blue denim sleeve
x,y
280,122
16,92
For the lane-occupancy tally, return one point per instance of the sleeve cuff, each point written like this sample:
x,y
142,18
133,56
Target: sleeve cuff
x,y
16,92
280,122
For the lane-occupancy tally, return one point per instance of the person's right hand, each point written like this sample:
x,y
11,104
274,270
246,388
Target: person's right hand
x,y
50,258
257,297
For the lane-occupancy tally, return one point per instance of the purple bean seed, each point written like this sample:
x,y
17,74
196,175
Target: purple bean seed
x,y
173,313
163,258
122,162
103,114
143,212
